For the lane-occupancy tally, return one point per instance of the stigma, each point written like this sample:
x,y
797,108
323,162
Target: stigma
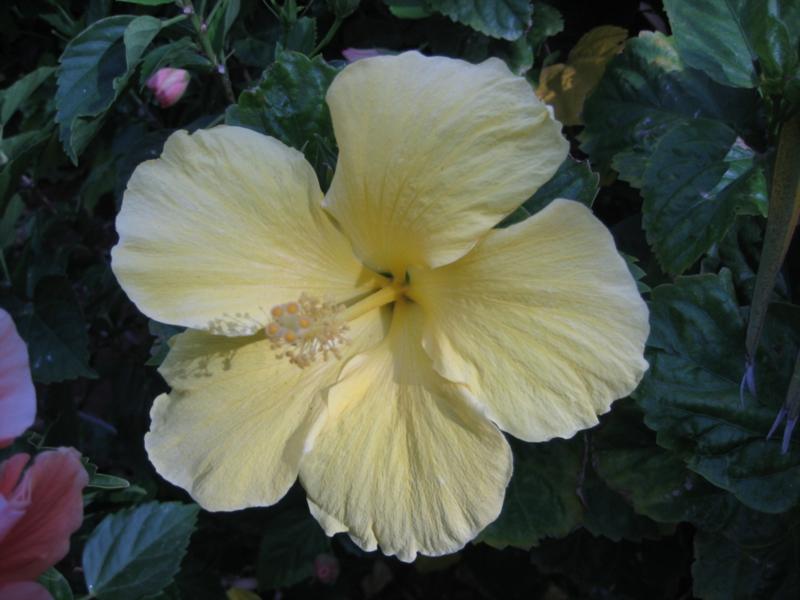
x,y
304,330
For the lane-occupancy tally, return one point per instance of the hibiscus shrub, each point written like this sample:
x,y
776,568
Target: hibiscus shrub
x,y
431,191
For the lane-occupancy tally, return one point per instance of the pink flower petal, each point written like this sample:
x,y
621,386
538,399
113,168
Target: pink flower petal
x,y
17,394
168,85
24,590
12,506
354,54
41,537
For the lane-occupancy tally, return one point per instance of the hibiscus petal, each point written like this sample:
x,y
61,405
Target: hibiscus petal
x,y
232,430
12,508
433,152
222,227
400,461
17,394
542,322
24,590
40,538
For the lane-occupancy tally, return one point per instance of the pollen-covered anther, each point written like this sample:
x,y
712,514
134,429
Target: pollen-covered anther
x,y
305,329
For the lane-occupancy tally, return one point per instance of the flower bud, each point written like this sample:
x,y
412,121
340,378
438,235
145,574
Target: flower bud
x,y
326,568
168,85
354,54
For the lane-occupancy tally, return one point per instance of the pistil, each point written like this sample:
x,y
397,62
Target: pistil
x,y
382,297
309,327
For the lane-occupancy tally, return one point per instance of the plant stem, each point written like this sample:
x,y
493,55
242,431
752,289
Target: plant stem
x,y
328,36
205,44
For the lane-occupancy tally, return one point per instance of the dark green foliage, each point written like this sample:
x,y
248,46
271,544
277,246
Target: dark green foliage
x,y
691,394
138,551
289,104
54,329
541,500
292,540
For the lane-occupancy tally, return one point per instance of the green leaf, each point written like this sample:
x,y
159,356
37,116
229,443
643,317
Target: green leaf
x,y
8,223
574,180
292,539
725,38
609,514
777,51
289,104
55,332
302,36
637,272
656,481
547,22
541,500
342,9
14,96
55,583
740,251
137,38
519,215
409,9
518,55
751,556
644,93
136,552
162,333
691,394
711,36
699,178
16,155
148,2
507,19
95,67
101,480
220,22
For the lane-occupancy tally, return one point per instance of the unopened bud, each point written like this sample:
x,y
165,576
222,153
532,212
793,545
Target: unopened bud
x,y
168,85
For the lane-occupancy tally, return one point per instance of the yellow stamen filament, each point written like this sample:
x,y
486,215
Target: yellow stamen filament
x,y
304,329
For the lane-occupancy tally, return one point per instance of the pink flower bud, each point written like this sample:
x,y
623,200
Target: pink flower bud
x,y
168,85
354,54
326,568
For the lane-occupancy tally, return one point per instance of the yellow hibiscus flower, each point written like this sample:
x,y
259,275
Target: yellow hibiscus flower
x,y
376,342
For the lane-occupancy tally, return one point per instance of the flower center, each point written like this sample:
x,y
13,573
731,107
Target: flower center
x,y
309,327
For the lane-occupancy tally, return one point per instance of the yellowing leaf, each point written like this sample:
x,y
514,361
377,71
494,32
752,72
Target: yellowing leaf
x,y
565,86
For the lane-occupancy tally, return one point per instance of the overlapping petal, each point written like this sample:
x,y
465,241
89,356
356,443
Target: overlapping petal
x,y
542,322
433,152
50,491
400,460
223,226
23,590
233,428
17,394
